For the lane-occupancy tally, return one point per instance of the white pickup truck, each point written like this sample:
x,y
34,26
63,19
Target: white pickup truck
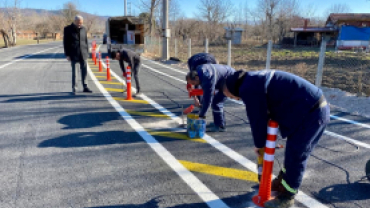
x,y
125,32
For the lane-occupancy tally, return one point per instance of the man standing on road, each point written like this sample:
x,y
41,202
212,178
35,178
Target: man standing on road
x,y
211,77
299,108
133,60
76,50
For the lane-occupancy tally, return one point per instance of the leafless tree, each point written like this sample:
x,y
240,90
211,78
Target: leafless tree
x,y
150,6
12,16
69,12
215,11
89,22
337,8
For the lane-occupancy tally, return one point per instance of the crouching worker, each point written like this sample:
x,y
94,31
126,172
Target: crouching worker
x,y
211,77
301,111
195,61
133,60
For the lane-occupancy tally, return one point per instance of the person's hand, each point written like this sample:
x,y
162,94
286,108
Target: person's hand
x,y
258,152
197,103
68,58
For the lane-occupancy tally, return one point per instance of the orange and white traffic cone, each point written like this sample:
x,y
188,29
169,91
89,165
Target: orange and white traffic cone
x,y
108,70
264,193
100,65
128,83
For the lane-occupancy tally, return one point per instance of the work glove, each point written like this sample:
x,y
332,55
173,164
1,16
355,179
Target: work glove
x,y
260,162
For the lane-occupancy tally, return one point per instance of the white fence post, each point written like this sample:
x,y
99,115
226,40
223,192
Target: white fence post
x,y
189,47
229,52
176,48
320,66
206,45
268,59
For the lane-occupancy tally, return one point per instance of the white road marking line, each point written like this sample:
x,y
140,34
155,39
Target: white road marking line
x,y
26,57
193,182
350,121
301,197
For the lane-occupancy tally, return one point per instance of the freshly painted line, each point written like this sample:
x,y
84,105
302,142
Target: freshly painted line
x,y
149,114
241,103
220,171
193,182
111,83
348,139
164,74
114,90
131,101
24,57
175,135
104,77
176,70
350,121
99,72
302,197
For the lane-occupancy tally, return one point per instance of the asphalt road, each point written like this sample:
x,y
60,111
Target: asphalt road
x,y
97,150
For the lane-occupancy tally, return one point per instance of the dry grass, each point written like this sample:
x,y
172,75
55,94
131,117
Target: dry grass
x,y
25,42
348,71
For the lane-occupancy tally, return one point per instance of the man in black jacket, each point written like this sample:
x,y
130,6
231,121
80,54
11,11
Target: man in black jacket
x,y
133,60
76,50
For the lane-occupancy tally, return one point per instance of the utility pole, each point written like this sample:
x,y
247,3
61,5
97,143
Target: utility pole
x,y
166,32
125,7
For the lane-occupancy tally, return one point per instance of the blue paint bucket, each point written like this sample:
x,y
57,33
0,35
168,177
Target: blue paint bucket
x,y
196,127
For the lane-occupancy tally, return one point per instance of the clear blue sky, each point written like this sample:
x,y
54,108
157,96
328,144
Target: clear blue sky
x,y
189,7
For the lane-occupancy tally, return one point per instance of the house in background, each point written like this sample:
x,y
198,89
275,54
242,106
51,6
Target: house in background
x,y
354,29
234,34
343,30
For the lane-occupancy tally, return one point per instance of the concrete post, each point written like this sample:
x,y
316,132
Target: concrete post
x,y
176,48
268,58
229,52
189,47
320,66
206,45
166,32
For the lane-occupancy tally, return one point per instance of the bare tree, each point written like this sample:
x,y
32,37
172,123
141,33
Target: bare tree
x,y
337,8
215,11
89,22
69,12
12,15
150,6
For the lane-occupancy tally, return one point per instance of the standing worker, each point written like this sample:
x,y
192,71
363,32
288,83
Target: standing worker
x,y
211,77
195,61
76,50
299,108
133,60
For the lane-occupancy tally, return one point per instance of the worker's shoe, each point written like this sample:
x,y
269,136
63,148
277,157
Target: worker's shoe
x,y
276,183
138,94
281,201
215,128
86,89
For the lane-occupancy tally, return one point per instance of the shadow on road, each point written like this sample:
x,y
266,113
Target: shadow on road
x,y
46,96
88,120
43,56
88,139
241,201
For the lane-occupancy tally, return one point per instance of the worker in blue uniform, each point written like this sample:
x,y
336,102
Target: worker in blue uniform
x,y
195,61
301,111
211,77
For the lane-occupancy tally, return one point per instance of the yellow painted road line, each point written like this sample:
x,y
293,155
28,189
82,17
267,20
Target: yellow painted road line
x,y
220,171
104,77
114,90
111,83
131,101
150,114
175,135
99,72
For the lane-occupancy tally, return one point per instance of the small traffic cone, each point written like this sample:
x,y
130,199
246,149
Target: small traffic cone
x,y
264,193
